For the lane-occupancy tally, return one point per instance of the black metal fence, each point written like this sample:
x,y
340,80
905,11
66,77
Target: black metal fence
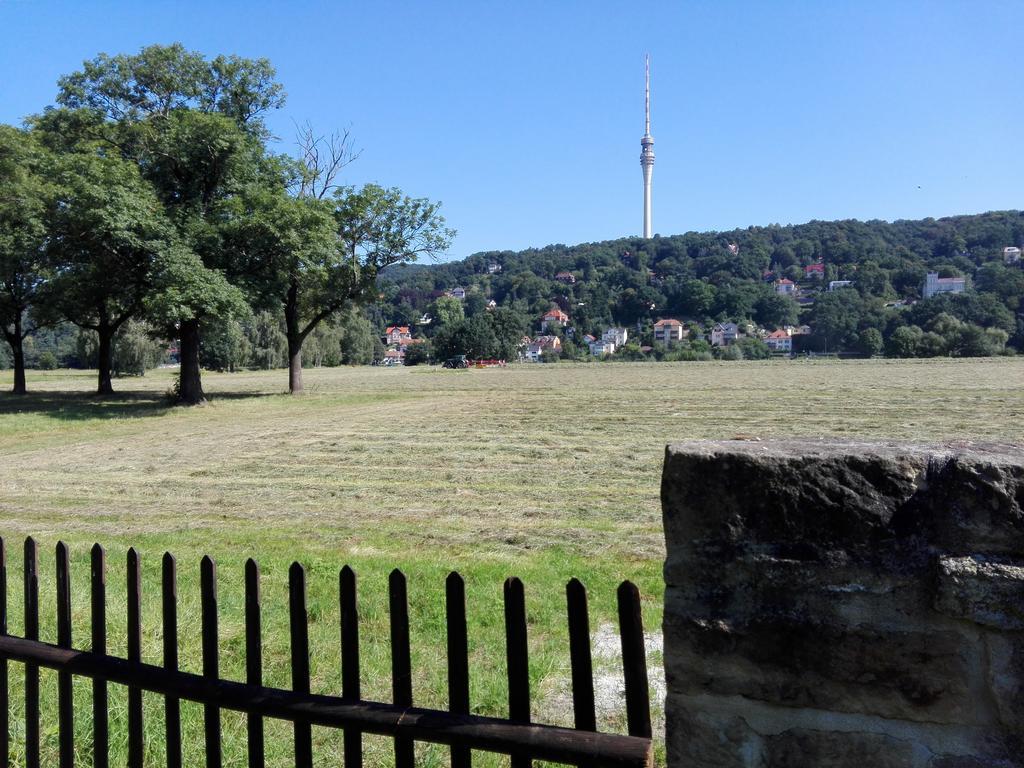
x,y
516,736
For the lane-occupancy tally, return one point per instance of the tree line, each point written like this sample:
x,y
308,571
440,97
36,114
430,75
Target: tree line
x,y
149,196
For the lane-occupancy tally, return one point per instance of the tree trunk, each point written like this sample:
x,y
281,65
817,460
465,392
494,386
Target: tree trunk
x,y
190,384
295,339
18,348
19,367
294,367
104,360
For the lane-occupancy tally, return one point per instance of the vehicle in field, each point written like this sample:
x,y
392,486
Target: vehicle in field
x,y
459,361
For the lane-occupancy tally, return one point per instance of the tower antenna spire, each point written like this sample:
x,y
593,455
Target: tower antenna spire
x,y
647,147
647,95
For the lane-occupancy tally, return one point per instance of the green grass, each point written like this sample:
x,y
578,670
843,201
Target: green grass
x,y
544,472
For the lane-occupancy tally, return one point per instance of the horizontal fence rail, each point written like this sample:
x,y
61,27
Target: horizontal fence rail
x,y
516,736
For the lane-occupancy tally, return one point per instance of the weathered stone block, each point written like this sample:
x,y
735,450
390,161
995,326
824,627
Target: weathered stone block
x,y
1006,681
753,586
976,501
840,603
917,676
699,738
807,497
710,730
802,497
802,748
981,590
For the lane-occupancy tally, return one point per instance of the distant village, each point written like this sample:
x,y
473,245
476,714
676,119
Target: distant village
x,y
556,324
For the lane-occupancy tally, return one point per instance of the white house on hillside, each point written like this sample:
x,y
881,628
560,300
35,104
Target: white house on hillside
x,y
785,287
724,334
539,346
616,336
602,347
815,271
933,284
779,341
668,331
835,284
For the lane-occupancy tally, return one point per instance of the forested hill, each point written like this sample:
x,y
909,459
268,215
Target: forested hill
x,y
706,277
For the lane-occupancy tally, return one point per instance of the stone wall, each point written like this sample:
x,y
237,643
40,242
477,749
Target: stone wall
x,y
844,604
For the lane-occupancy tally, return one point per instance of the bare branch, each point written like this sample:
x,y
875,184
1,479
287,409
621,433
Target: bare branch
x,y
323,158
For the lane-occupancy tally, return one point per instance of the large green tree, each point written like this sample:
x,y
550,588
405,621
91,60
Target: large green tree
x,y
292,244
509,328
446,310
23,201
359,343
695,298
838,317
107,233
317,247
473,337
494,334
774,311
194,126
315,257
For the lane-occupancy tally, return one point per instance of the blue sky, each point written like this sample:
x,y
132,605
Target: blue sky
x,y
525,118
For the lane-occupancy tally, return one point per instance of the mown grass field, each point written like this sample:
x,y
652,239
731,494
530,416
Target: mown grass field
x,y
545,472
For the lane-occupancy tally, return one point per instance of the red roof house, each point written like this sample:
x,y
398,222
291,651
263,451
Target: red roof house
x,y
785,286
397,334
554,317
779,341
668,330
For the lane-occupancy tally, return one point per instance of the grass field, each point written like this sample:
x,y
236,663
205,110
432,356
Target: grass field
x,y
545,472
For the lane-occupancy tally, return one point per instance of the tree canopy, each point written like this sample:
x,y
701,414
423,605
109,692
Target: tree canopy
x,y
107,235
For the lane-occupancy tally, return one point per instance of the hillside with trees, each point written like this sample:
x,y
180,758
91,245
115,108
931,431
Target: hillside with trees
x,y
704,278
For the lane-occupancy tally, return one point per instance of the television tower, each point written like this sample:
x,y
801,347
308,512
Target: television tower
x,y
647,147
